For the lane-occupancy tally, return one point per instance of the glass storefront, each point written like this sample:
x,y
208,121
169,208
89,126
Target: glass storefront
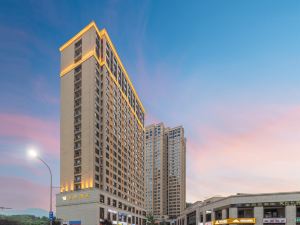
x,y
191,218
245,212
208,216
218,214
298,215
274,215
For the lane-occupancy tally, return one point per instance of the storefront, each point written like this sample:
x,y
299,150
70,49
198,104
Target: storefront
x,y
245,209
191,218
298,215
245,212
274,215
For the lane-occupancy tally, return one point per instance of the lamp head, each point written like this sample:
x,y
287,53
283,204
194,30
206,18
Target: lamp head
x,y
32,153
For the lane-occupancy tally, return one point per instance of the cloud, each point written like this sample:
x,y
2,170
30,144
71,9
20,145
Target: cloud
x,y
262,158
17,193
43,133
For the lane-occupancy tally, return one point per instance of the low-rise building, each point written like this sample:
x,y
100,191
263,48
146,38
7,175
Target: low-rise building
x,y
250,209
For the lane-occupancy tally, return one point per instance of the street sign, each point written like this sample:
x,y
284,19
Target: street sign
x,y
51,215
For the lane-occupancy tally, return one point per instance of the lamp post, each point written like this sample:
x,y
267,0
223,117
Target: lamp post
x,y
33,154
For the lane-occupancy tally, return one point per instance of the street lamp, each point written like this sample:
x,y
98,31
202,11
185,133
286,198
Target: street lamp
x,y
33,154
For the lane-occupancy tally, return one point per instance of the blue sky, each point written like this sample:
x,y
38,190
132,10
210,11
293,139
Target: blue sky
x,y
227,70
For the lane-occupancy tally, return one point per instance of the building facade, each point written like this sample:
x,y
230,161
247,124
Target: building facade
x,y
165,150
176,145
245,209
102,128
156,170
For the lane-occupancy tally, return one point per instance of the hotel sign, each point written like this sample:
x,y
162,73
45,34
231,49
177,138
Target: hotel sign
x,y
75,197
235,221
274,220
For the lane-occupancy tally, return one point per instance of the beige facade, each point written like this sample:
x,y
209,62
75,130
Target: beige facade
x,y
176,144
156,170
165,171
102,127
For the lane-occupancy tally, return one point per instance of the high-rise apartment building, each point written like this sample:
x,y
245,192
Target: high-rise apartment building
x,y
165,169
156,170
102,127
176,144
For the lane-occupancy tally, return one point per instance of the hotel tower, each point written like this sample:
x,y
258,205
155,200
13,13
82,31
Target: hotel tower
x,y
102,128
165,171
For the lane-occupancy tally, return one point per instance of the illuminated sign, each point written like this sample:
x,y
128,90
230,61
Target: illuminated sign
x,y
274,220
293,203
225,221
122,223
77,222
262,204
112,211
75,197
235,221
298,220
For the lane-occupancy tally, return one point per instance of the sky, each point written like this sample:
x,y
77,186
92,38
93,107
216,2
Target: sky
x,y
226,70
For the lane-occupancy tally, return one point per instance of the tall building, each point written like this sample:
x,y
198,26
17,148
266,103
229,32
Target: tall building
x,y
165,169
176,145
156,181
102,127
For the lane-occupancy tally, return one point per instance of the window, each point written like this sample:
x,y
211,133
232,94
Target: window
x,y
246,213
102,198
101,213
218,215
77,51
77,170
77,153
77,178
78,44
208,216
77,162
97,45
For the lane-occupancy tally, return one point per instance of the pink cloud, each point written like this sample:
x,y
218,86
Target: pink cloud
x,y
33,130
18,193
261,158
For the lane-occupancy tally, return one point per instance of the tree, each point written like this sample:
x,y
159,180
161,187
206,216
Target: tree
x,y
150,220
